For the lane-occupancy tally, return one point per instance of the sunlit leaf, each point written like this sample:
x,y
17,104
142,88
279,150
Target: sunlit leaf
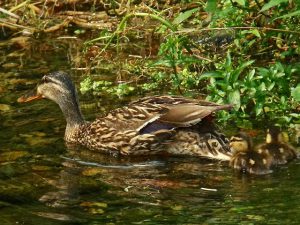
x,y
295,115
271,4
228,61
211,6
258,108
184,16
271,86
235,99
296,93
262,87
235,75
255,32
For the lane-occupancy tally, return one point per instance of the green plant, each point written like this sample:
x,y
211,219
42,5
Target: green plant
x,y
259,32
256,93
105,87
172,55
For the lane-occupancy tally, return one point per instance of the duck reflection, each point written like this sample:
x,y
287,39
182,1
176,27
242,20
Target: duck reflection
x,y
87,172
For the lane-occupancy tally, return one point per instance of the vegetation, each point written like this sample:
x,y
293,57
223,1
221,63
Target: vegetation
x,y
243,53
232,51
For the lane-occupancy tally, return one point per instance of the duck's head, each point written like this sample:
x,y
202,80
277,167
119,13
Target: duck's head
x,y
241,142
275,135
56,86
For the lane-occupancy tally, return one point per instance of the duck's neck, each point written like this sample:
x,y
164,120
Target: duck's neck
x,y
73,118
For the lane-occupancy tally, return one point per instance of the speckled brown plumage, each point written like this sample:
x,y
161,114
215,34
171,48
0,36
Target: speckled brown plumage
x,y
150,125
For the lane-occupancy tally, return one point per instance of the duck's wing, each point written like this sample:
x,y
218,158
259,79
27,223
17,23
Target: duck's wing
x,y
186,115
172,100
151,114
183,115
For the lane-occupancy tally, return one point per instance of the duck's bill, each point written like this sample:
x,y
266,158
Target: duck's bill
x,y
30,96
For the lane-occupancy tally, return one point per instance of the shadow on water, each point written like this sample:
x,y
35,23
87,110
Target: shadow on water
x,y
44,182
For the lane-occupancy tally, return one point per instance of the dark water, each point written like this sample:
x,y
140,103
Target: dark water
x,y
43,182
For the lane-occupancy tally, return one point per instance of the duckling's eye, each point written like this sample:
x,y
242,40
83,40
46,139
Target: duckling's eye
x,y
45,79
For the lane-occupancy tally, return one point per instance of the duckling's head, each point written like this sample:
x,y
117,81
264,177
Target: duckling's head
x,y
241,142
274,135
56,86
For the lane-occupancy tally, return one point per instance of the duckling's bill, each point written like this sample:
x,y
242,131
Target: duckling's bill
x,y
30,96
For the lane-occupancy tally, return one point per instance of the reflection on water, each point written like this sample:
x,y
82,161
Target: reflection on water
x,y
42,181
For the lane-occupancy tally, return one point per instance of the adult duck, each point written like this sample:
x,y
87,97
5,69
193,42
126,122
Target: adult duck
x,y
151,125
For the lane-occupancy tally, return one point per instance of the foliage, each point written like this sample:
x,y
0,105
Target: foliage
x,y
237,51
264,94
260,44
172,55
105,87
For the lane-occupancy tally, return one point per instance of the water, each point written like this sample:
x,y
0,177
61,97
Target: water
x,y
44,182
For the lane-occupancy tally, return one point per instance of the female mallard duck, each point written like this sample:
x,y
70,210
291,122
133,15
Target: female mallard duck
x,y
246,159
277,146
151,125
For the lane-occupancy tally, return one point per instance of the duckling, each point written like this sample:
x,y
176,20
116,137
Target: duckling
x,y
277,146
151,125
248,160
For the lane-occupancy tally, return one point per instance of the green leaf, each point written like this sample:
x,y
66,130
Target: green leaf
x,y
258,108
262,87
296,13
271,4
228,61
264,72
255,32
271,86
235,75
184,16
296,93
213,74
295,115
250,75
234,98
211,6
